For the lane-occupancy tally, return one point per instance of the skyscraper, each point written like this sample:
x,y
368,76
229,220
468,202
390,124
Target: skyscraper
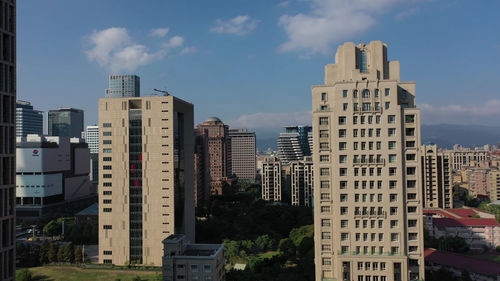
x,y
124,86
366,128
92,139
294,143
436,178
65,122
243,154
7,141
302,182
219,153
28,120
145,177
272,179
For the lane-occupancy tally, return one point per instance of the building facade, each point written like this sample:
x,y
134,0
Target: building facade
x,y
436,178
28,120
8,140
201,168
302,182
466,157
51,172
145,177
243,154
294,143
124,86
366,129
272,179
91,137
219,154
187,261
65,122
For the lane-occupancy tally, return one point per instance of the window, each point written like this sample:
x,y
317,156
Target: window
x,y
207,268
106,134
366,94
412,209
342,145
355,120
107,226
342,158
106,176
326,235
344,236
394,237
355,133
409,118
342,133
344,223
107,253
325,184
323,133
324,158
343,210
387,104
323,120
344,249
106,184
194,268
392,145
410,144
323,145
363,132
412,223
341,120
410,157
392,171
412,196
391,119
355,94
324,108
107,192
107,159
106,125
325,222
387,91
411,183
344,93
393,197
394,250
107,210
412,236
366,106
106,167
106,142
343,172
394,223
326,261
360,266
325,196
326,247
392,184
392,158
362,62
391,132
107,150
323,96
410,132
324,171
325,209
345,106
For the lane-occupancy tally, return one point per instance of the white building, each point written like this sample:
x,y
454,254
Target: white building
x,y
51,171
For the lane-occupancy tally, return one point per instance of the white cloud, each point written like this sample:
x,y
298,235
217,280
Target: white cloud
x,y
159,32
330,21
189,50
486,113
271,120
284,4
115,50
406,13
174,42
239,25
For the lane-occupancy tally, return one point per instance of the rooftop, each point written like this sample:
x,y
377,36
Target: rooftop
x,y
452,222
92,210
462,262
213,119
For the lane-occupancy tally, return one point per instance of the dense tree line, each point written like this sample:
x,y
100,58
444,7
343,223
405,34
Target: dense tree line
x,y
31,255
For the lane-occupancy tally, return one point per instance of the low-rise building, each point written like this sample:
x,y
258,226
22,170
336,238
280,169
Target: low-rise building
x,y
51,172
185,261
479,270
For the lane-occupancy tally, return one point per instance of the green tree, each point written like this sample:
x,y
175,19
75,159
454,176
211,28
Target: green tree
x,y
53,250
60,254
69,253
24,275
264,242
78,254
52,228
44,252
287,248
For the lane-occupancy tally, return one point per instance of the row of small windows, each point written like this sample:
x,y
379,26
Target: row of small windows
x,y
364,94
391,119
371,184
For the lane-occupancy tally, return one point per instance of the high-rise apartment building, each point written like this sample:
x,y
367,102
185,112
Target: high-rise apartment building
x,y
28,120
272,179
436,178
243,154
201,168
124,86
219,154
91,137
7,140
145,177
301,182
294,143
466,157
65,122
367,210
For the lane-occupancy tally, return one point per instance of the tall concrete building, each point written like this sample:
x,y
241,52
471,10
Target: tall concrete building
x,y
243,154
124,86
436,178
145,177
91,137
466,157
366,129
7,140
65,122
219,153
294,143
28,120
272,179
302,182
201,168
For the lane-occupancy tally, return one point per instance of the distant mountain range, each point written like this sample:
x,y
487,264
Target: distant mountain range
x,y
444,135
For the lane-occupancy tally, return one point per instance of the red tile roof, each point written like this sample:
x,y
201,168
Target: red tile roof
x,y
462,262
441,223
462,212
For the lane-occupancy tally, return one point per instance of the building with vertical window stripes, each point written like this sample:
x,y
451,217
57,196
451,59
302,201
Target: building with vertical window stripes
x,y
124,86
367,187
301,182
145,177
7,139
28,120
243,154
436,178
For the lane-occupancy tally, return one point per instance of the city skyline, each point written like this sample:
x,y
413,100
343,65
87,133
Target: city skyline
x,y
260,39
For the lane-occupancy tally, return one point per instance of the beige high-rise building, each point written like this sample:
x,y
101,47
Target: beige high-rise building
x,y
301,182
243,154
8,141
366,133
145,177
436,178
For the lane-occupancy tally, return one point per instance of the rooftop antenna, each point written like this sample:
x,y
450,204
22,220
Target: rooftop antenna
x,y
165,92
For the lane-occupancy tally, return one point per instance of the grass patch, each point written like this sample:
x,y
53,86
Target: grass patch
x,y
268,255
64,273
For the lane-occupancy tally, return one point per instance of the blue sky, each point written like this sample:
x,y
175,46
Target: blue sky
x,y
252,62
